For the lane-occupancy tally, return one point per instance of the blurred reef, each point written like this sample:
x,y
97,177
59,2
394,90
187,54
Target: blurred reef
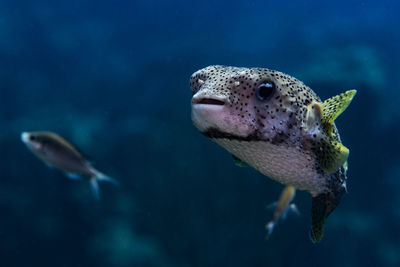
x,y
113,78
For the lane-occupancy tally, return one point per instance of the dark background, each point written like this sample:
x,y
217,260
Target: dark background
x,y
113,77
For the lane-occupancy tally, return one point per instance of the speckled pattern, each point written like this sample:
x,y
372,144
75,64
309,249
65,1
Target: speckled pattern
x,y
278,120
273,122
281,137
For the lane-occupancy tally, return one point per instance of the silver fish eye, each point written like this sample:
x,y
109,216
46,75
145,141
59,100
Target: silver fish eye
x,y
265,91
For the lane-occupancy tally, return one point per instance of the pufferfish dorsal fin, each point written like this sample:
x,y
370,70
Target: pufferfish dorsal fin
x,y
333,107
239,162
332,154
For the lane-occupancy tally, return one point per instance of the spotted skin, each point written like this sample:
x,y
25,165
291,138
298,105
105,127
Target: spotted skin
x,y
282,136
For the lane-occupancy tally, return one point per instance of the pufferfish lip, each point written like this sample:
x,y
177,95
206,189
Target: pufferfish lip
x,y
208,101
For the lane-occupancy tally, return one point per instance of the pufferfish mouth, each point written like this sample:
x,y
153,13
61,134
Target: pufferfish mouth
x,y
209,111
208,101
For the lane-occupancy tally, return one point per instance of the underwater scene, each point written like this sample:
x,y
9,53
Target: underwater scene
x,y
199,133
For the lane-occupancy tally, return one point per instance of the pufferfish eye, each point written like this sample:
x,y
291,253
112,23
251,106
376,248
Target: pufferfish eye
x,y
32,138
265,91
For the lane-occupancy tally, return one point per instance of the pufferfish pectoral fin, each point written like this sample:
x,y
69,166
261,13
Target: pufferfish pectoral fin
x,y
239,162
333,107
332,154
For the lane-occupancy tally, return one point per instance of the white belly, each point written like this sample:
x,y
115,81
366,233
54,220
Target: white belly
x,y
287,165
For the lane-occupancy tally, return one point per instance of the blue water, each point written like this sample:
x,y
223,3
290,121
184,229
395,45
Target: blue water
x,y
113,77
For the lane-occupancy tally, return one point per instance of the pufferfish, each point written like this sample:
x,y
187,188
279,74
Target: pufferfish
x,y
279,126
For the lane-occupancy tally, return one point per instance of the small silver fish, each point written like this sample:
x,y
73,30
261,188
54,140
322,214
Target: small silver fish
x,y
279,126
57,152
282,208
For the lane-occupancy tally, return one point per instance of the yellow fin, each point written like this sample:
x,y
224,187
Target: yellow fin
x,y
333,107
346,166
332,155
